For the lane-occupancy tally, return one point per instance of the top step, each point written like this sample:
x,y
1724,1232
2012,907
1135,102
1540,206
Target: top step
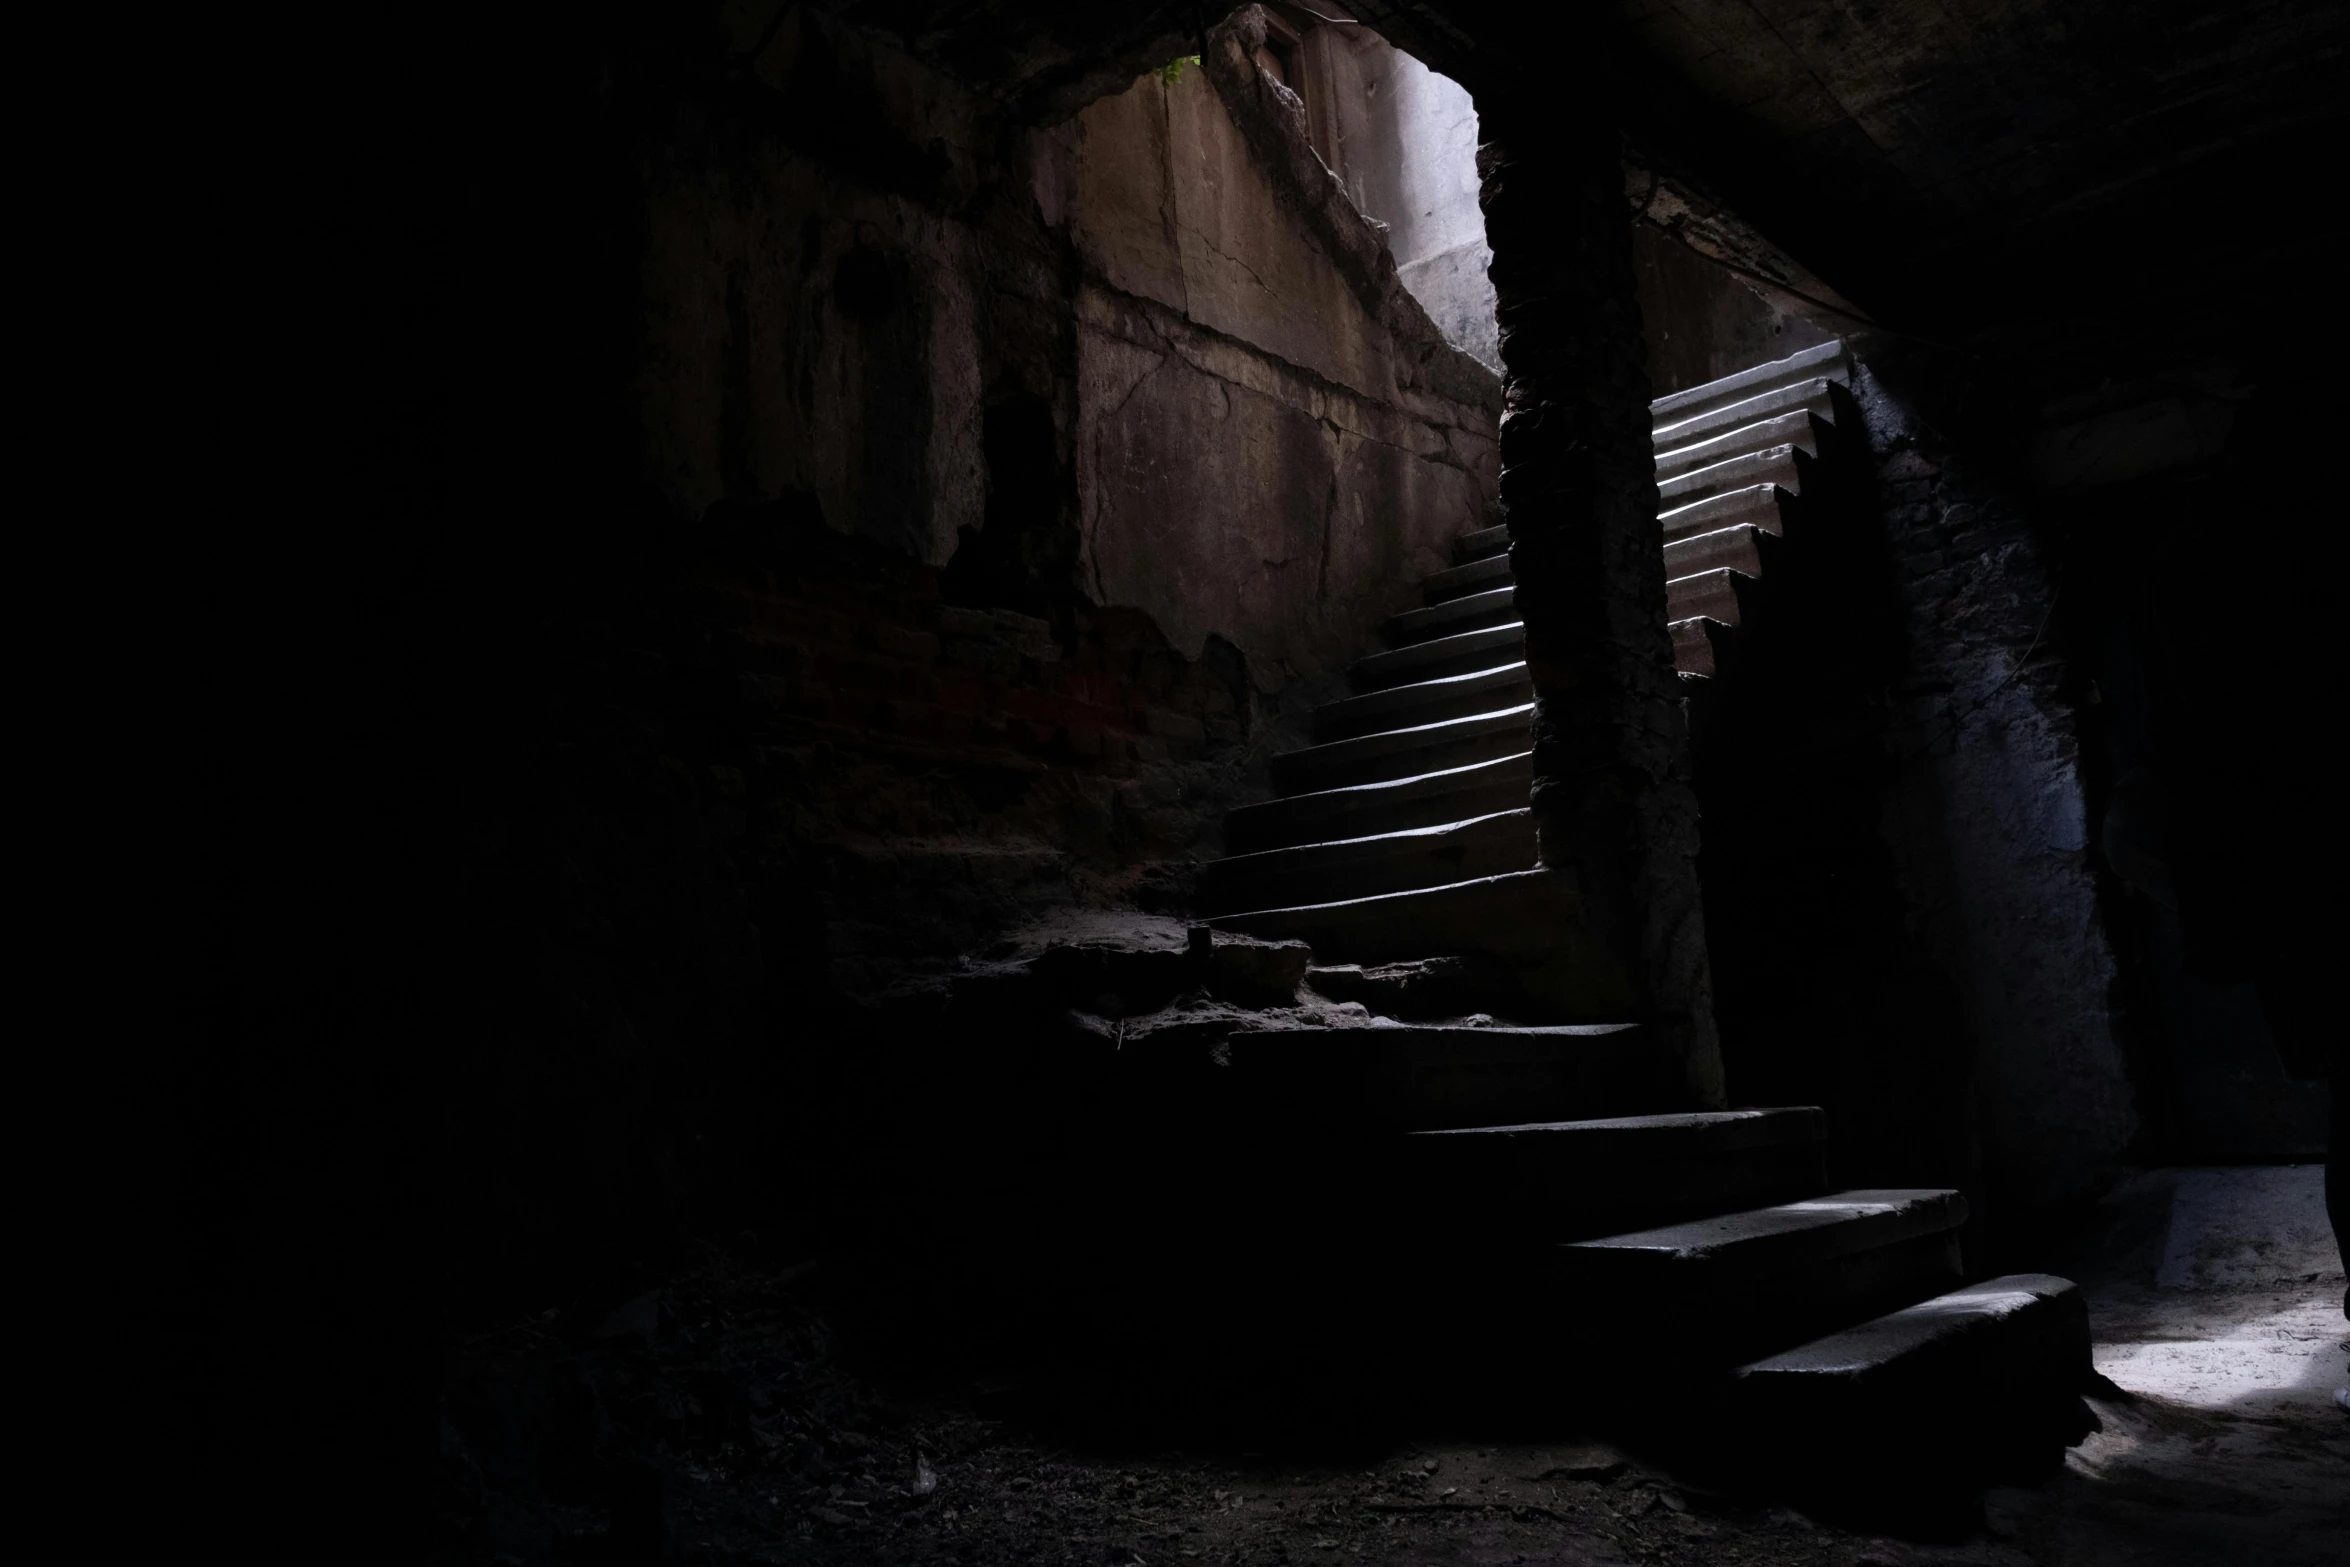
x,y
1827,360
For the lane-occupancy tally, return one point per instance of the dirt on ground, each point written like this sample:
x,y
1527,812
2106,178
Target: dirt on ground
x,y
715,1421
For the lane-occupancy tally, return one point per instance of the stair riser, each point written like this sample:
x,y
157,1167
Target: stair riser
x,y
1470,612
1778,466
1805,431
1518,1194
1402,707
1757,507
1413,1078
1476,577
1724,549
1804,397
1526,915
1302,772
1480,544
1439,657
1712,594
1493,847
1698,645
1279,824
1703,1321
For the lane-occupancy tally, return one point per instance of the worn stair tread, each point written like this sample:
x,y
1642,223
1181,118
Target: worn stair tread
x,y
1813,395
1662,1136
1824,360
1480,544
1449,794
1517,913
1398,1077
1737,548
1772,465
1767,1239
1565,1180
1757,504
1423,701
1713,595
1358,760
1475,577
1902,1342
1371,864
1457,614
1401,666
1979,1385
1803,429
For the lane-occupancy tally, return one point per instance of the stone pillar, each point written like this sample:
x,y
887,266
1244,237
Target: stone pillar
x,y
1613,803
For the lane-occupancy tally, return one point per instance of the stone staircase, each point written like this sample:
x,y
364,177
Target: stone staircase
x,y
1403,832
1602,1231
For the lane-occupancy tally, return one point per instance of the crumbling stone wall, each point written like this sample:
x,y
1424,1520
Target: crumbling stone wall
x,y
730,579
1138,376
1268,450
1987,812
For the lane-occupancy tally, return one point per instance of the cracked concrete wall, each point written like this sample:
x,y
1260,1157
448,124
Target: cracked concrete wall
x,y
1402,139
1253,459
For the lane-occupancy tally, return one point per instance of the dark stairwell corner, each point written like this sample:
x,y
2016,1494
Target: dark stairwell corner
x,y
1404,784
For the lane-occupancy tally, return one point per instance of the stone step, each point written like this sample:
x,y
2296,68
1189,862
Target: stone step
x,y
1480,544
1470,612
1751,1279
1368,810
1698,644
1478,576
1568,1180
1757,505
1712,595
1773,465
1523,914
1981,1383
1812,396
1409,1076
1482,846
1426,701
1725,549
1405,753
1803,429
1825,362
1460,653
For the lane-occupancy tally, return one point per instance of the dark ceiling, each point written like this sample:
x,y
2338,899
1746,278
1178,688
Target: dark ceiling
x,y
2094,190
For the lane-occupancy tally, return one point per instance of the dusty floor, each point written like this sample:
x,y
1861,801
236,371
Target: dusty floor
x,y
713,1423
2216,1300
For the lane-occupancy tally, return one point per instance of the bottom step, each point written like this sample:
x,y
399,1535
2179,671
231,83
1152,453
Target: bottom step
x,y
1981,1383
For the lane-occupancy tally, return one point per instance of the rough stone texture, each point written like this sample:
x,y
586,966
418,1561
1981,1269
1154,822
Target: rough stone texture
x,y
1986,814
1902,915
1156,428
1254,388
1612,797
918,774
1250,972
